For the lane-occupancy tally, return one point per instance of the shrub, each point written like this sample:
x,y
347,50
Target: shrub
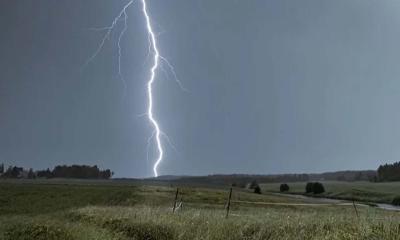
x,y
309,187
284,187
396,201
315,188
254,185
318,188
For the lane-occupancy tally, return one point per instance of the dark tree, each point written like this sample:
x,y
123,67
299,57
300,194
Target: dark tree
x,y
254,185
284,187
106,174
315,188
318,188
309,187
1,168
389,172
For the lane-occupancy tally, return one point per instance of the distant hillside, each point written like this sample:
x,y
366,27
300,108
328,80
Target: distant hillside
x,y
241,180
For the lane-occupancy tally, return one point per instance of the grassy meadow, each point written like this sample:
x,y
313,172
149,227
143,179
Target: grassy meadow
x,y
121,211
360,191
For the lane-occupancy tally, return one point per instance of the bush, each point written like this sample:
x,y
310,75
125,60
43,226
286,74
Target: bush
x,y
315,188
309,187
318,188
254,185
396,201
284,187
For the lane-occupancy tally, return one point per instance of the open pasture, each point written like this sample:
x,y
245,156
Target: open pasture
x,y
360,191
87,210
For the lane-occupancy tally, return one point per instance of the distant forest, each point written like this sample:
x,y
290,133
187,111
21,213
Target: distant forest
x,y
386,172
389,172
74,171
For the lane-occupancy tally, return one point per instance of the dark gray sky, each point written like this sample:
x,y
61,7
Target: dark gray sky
x,y
274,86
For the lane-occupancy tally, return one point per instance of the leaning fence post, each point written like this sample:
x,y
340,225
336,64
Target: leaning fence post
x,y
176,197
355,208
229,203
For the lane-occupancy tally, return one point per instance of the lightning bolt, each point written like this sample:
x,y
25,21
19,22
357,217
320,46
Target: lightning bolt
x,y
150,89
157,61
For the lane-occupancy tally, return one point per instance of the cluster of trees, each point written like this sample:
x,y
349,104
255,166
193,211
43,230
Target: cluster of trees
x,y
81,171
16,172
311,187
74,171
240,180
389,172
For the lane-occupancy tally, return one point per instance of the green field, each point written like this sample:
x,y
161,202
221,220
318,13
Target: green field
x,y
129,210
359,191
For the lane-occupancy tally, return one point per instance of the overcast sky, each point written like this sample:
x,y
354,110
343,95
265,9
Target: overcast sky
x,y
274,86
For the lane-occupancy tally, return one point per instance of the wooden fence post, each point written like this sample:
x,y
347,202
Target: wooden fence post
x,y
355,208
181,204
228,205
176,197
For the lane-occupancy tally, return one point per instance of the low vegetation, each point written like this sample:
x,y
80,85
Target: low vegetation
x,y
32,199
121,211
37,231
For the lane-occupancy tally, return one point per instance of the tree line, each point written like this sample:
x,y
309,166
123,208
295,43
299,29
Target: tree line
x,y
61,171
389,172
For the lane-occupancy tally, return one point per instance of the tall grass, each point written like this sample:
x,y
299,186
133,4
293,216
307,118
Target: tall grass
x,y
149,216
